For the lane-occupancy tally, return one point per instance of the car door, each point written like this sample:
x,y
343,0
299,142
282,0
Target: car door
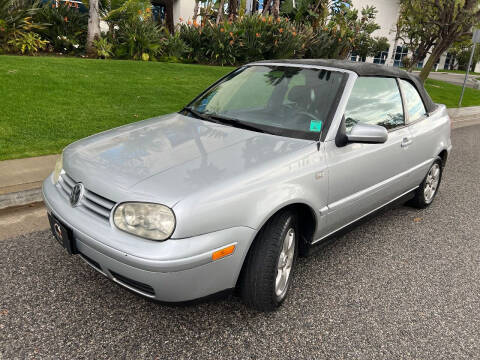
x,y
363,176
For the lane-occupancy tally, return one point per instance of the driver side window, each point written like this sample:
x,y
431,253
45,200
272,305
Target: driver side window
x,y
375,100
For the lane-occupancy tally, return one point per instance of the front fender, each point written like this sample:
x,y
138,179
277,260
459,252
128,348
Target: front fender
x,y
254,198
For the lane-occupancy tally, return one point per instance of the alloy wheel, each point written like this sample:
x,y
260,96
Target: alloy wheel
x,y
431,183
285,262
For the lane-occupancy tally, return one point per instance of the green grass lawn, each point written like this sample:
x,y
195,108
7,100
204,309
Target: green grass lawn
x,y
48,102
449,94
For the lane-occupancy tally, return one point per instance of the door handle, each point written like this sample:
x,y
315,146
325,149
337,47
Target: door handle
x,y
406,141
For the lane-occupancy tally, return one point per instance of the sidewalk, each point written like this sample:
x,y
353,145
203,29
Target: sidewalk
x,y
464,116
21,180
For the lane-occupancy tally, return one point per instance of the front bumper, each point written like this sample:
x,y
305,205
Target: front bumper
x,y
173,270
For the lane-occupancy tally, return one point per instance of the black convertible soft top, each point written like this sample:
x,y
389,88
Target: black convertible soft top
x,y
365,69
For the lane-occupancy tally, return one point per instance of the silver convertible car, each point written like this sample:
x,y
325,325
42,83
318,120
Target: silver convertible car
x,y
274,158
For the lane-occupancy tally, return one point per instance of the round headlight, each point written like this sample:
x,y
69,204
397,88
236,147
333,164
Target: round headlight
x,y
150,221
58,169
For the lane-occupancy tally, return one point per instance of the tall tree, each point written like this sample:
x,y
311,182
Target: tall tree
x,y
452,19
93,26
364,43
414,30
460,54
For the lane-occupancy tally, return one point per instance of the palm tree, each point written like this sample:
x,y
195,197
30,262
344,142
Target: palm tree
x,y
93,26
195,10
220,11
276,8
266,6
232,9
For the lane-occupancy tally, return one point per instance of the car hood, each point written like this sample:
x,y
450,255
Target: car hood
x,y
163,159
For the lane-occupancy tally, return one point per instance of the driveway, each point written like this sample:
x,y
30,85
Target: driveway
x,y
402,285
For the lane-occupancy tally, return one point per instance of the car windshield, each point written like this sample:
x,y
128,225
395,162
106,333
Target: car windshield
x,y
282,100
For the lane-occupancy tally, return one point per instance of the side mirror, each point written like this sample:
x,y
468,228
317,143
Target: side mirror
x,y
368,133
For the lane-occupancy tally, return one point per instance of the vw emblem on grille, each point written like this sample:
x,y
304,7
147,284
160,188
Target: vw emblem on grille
x,y
76,194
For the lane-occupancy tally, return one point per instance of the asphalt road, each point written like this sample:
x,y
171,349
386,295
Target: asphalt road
x,y
402,285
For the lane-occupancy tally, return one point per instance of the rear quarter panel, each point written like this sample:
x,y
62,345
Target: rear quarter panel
x,y
430,137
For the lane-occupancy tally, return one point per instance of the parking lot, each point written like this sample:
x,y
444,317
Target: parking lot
x,y
405,284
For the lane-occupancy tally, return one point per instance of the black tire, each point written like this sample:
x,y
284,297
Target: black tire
x,y
420,201
257,287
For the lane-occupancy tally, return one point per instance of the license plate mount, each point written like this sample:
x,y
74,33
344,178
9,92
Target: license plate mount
x,y
63,234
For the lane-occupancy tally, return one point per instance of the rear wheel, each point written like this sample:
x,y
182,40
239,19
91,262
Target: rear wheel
x,y
269,265
429,187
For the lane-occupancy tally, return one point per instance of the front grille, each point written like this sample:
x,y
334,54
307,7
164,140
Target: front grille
x,y
92,202
133,283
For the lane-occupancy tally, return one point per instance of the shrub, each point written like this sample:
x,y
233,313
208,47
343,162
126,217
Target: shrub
x,y
407,62
325,43
27,43
174,47
103,47
67,26
15,21
251,37
211,43
138,39
270,38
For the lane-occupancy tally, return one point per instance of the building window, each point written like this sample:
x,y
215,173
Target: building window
x,y
355,57
449,62
381,57
159,12
400,53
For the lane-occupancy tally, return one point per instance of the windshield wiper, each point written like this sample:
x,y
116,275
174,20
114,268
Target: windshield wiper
x,y
237,123
220,119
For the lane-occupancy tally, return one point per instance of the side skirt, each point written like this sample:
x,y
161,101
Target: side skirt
x,y
322,242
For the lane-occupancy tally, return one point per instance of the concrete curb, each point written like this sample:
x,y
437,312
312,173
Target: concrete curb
x,y
20,198
21,180
22,184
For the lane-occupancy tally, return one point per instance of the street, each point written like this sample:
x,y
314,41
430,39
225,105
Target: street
x,y
404,284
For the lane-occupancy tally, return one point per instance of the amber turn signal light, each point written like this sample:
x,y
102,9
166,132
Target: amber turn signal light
x,y
223,252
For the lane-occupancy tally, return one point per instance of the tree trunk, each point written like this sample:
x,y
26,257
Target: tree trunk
x,y
436,53
169,16
266,6
276,8
220,11
232,9
419,55
93,27
195,10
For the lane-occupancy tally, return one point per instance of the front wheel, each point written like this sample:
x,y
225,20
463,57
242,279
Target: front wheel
x,y
429,187
269,264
